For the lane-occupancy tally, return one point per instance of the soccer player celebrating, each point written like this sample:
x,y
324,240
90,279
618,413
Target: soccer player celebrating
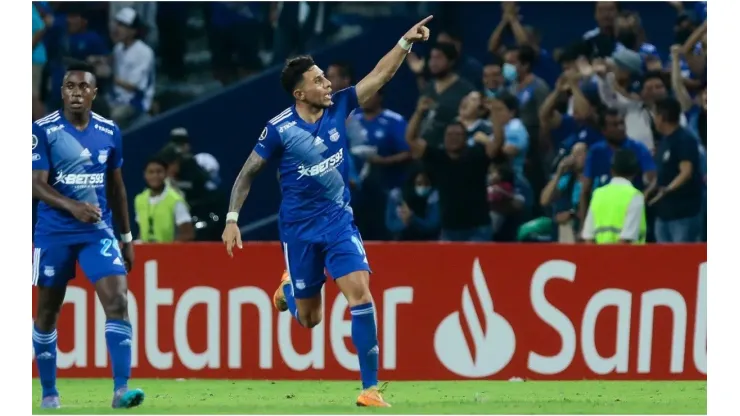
x,y
77,160
317,229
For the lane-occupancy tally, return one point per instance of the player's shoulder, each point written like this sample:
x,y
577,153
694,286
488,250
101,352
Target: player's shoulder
x,y
281,122
103,124
390,114
47,120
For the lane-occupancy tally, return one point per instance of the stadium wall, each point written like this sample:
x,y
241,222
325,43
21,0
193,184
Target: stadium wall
x,y
445,312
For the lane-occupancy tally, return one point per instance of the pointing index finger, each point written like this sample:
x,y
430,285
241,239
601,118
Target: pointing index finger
x,y
425,21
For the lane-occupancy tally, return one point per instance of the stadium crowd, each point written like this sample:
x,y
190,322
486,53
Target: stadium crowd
x,y
507,149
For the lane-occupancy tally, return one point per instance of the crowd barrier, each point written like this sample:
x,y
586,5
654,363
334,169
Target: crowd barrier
x,y
444,312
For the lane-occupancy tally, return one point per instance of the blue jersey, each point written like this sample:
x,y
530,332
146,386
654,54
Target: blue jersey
x,y
313,169
78,163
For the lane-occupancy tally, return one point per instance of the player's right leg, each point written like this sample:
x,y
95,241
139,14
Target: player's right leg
x,y
53,267
102,263
301,283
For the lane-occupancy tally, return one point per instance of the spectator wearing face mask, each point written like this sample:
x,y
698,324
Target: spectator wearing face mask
x,y
497,76
459,174
412,212
445,90
679,194
597,171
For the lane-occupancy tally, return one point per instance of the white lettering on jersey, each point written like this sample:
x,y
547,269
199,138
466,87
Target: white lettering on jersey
x,y
322,168
81,180
52,129
286,126
103,129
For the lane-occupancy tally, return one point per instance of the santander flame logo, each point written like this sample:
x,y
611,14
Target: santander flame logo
x,y
493,342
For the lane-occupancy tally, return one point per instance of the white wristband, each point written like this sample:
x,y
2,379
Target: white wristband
x,y
232,216
405,45
127,238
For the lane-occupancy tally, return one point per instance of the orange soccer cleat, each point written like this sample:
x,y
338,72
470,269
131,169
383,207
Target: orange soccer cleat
x,y
371,397
278,299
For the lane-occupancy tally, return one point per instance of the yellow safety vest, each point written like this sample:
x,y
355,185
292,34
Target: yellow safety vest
x,y
609,209
157,221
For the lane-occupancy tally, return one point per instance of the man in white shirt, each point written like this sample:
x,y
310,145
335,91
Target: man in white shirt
x,y
133,71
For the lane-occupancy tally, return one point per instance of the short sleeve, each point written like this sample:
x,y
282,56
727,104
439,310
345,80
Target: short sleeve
x,y
345,101
117,160
647,163
633,219
269,143
39,148
182,214
516,135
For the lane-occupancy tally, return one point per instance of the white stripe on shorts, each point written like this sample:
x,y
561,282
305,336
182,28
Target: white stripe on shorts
x,y
35,268
287,262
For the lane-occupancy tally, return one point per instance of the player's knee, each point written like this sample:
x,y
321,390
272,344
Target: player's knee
x,y
356,289
46,319
311,318
116,307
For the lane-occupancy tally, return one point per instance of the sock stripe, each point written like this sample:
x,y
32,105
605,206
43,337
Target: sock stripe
x,y
118,326
115,331
367,311
43,338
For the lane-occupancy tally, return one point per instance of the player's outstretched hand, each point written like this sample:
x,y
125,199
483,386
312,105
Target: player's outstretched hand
x,y
232,237
85,212
419,32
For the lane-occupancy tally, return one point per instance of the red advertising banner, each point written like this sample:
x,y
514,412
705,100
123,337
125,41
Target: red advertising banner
x,y
444,312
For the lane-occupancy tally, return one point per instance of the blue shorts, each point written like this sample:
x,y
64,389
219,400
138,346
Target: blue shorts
x,y
55,264
306,261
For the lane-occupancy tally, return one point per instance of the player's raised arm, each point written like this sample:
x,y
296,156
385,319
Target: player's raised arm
x,y
387,67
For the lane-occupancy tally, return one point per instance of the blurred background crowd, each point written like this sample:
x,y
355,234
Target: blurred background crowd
x,y
520,107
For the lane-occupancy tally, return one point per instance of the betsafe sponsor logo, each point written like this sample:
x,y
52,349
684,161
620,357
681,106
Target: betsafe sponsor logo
x,y
493,339
496,314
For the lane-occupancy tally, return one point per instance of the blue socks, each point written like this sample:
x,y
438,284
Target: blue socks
x,y
290,300
45,348
365,338
118,336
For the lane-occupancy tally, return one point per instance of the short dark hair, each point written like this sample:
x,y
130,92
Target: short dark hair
x,y
447,50
607,112
345,69
669,109
495,60
510,101
293,71
625,164
456,123
653,75
156,161
80,66
527,56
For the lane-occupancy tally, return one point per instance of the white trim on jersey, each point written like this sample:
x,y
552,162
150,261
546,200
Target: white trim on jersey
x,y
102,119
36,265
282,116
51,118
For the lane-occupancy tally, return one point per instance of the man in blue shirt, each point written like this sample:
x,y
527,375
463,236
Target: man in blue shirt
x,y
76,158
317,228
597,171
679,194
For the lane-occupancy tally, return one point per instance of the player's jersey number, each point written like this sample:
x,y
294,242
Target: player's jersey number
x,y
109,244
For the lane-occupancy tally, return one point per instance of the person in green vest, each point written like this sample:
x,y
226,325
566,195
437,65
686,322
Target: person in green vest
x,y
617,211
161,212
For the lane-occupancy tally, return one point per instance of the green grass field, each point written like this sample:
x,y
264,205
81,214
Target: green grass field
x,y
324,397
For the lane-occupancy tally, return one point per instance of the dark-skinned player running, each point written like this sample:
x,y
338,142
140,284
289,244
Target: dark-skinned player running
x,y
77,159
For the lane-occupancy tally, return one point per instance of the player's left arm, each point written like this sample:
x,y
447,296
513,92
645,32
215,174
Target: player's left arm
x,y
389,64
118,200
